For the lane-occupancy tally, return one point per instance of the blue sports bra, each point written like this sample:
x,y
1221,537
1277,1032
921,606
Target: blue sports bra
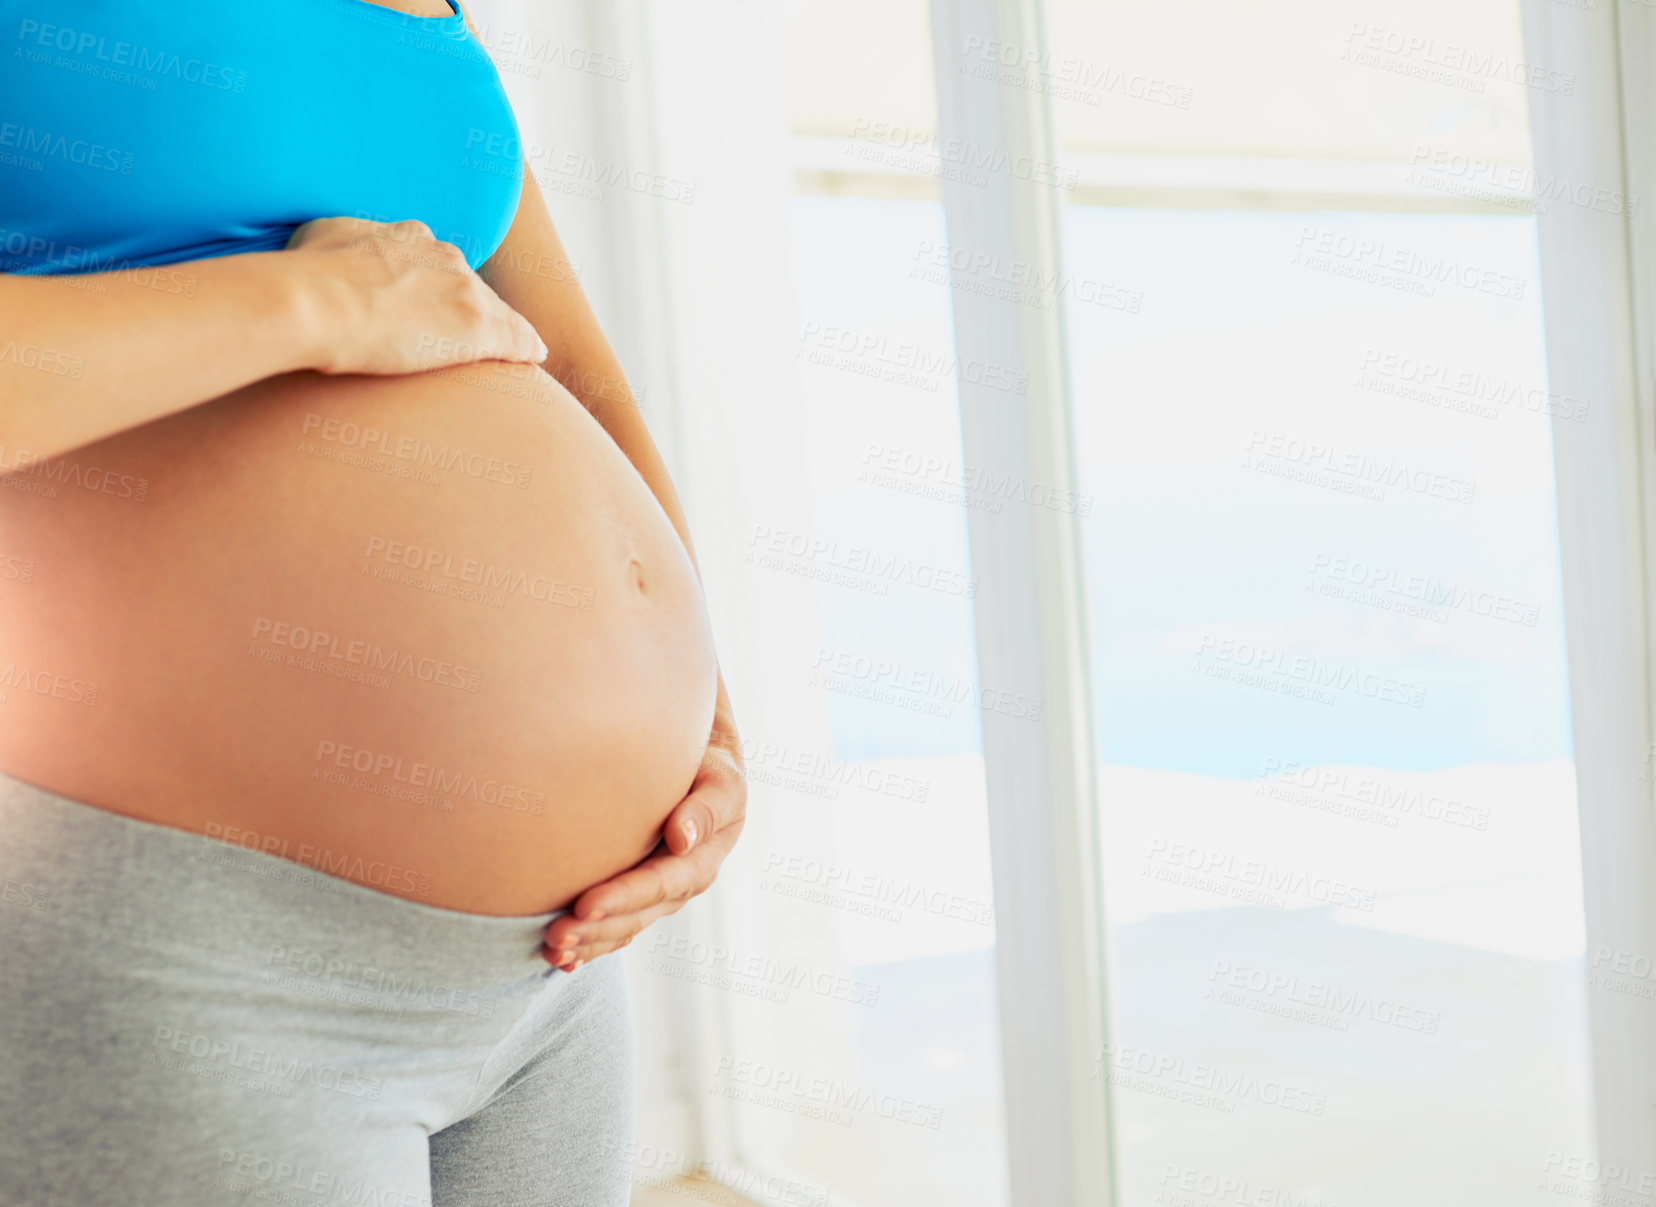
x,y
143,132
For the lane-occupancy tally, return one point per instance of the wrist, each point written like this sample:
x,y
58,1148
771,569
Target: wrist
x,y
314,308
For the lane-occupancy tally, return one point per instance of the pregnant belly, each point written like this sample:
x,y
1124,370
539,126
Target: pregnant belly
x,y
432,634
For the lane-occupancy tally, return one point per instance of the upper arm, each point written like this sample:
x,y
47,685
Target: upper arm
x,y
532,273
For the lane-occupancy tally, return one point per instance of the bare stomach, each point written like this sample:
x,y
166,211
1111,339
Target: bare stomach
x,y
432,634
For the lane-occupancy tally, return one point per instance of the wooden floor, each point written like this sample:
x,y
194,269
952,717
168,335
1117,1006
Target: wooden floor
x,y
685,1193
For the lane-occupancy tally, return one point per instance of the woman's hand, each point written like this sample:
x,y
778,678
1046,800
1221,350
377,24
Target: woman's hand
x,y
697,836
395,300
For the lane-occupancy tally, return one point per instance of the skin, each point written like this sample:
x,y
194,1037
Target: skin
x,y
700,832
703,828
284,312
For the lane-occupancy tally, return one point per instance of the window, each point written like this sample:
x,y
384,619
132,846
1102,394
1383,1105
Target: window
x,y
1342,877
1195,375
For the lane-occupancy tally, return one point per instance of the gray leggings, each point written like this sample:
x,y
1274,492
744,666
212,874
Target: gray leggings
x,y
185,1023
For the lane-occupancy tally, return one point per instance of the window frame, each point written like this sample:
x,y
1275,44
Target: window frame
x,y
1030,627
1598,272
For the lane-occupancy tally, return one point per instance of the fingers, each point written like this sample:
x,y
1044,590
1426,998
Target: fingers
x,y
411,230
718,799
510,337
523,341
410,234
689,822
610,915
449,258
502,333
570,947
662,877
430,310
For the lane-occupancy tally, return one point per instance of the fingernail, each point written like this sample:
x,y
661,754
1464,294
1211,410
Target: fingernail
x,y
570,942
597,915
689,834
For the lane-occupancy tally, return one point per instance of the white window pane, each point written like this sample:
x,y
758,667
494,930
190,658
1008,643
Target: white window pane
x,y
875,1079
1340,834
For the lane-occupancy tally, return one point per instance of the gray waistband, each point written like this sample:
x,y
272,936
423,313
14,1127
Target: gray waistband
x,y
118,880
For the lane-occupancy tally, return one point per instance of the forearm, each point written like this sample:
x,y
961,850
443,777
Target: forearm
x,y
82,358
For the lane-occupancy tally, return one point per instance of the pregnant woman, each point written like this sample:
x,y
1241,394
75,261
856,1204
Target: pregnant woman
x,y
357,694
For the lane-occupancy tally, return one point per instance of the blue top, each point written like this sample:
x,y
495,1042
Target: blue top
x,y
140,132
